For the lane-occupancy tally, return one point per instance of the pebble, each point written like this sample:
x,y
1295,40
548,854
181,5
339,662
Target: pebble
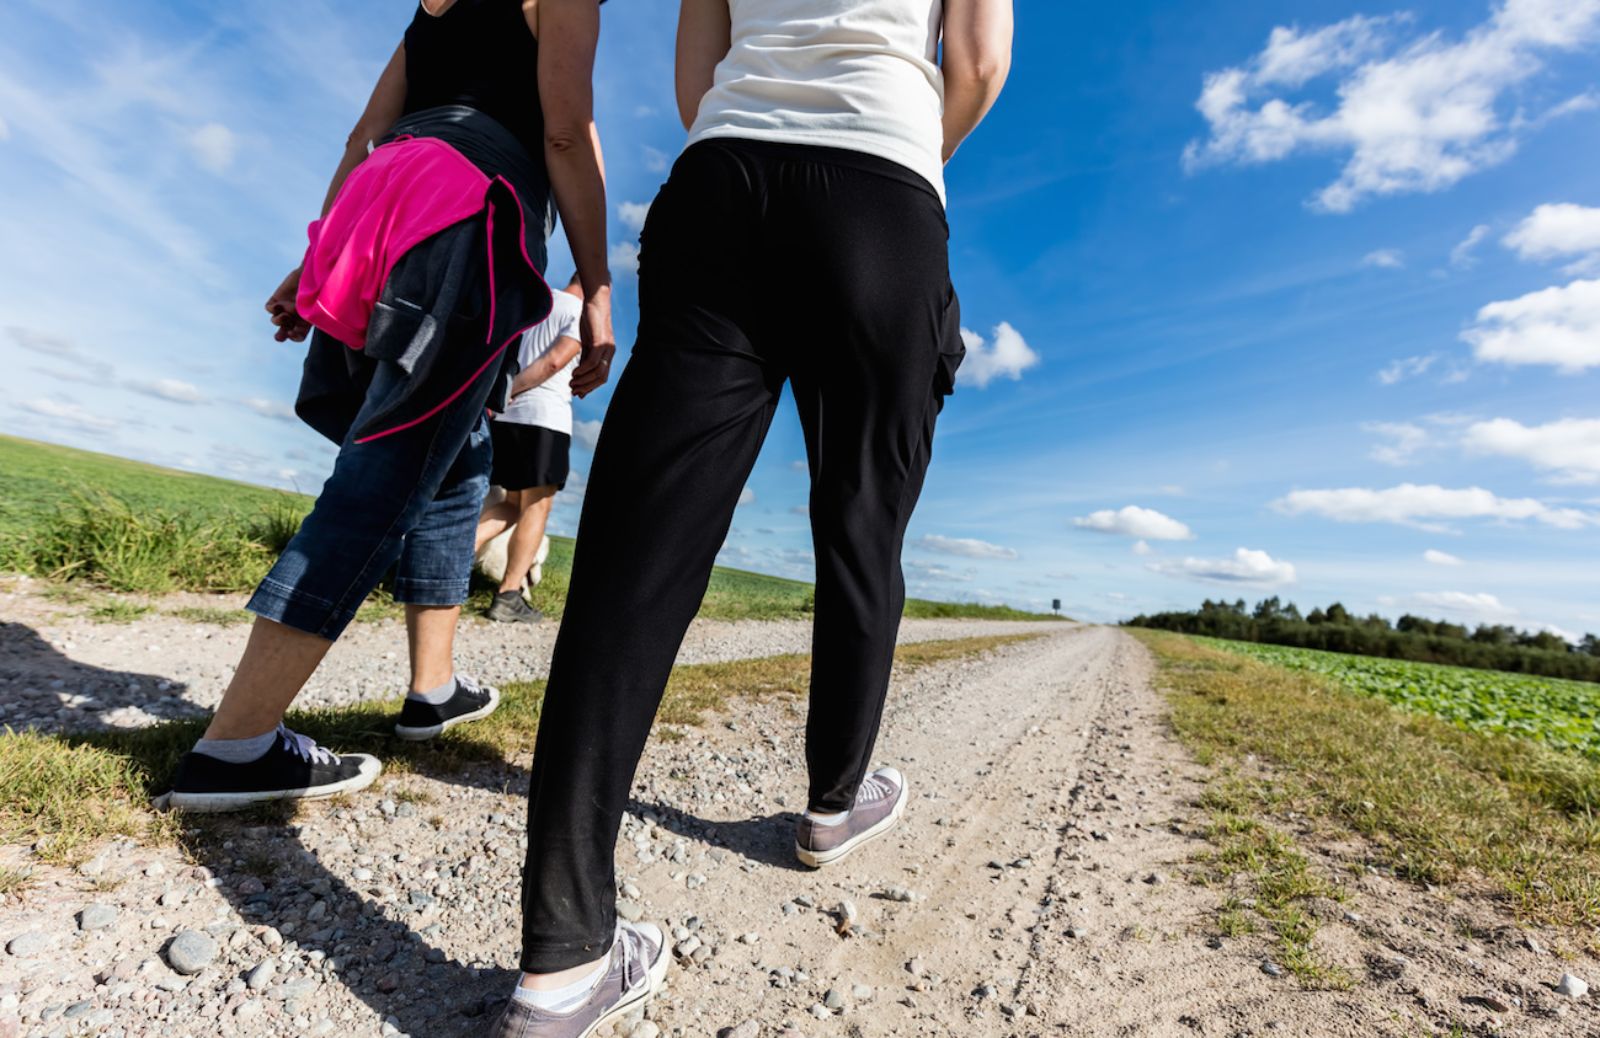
x,y
632,911
190,952
898,894
27,944
97,916
645,1029
861,993
834,999
260,976
1271,969
1533,944
1572,986
746,1029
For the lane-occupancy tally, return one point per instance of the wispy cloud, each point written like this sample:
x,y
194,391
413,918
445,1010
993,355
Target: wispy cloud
x,y
1415,112
1134,521
966,547
1247,566
1568,449
1427,507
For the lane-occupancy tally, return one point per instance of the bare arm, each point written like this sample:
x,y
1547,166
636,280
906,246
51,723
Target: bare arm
x,y
977,58
705,33
551,361
383,109
568,32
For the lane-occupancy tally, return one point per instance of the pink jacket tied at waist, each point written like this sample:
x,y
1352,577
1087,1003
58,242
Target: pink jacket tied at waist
x,y
405,192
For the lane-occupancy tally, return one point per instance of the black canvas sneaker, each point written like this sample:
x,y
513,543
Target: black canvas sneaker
x,y
295,768
509,607
420,721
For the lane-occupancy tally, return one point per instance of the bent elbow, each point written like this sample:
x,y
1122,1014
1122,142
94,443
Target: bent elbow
x,y
566,138
987,70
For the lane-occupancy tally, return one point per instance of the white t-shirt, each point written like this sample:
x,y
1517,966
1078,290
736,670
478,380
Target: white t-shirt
x,y
550,402
855,74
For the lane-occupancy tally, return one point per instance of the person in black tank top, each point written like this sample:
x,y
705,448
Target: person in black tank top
x,y
477,53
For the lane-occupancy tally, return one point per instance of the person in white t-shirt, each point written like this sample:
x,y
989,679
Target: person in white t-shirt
x,y
532,442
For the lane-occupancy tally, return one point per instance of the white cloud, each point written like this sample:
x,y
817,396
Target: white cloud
x,y
1133,521
965,546
1143,548
41,342
624,257
214,146
1245,567
656,160
1561,231
1463,255
271,408
1413,114
586,434
1569,448
1440,558
69,414
1009,357
1405,441
934,572
1406,367
746,497
1474,606
1426,507
1388,259
175,390
632,215
1558,326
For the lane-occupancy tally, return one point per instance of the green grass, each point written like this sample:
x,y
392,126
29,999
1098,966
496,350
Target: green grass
x,y
70,791
1436,803
93,520
1560,714
118,611
212,615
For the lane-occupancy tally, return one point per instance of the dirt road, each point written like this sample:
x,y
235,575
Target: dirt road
x,y
1041,884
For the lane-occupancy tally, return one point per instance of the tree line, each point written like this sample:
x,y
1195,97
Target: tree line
x,y
1336,629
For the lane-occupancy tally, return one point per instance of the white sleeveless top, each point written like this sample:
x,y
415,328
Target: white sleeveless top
x,y
855,74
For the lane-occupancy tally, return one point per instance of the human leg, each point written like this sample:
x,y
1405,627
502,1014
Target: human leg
x,y
535,505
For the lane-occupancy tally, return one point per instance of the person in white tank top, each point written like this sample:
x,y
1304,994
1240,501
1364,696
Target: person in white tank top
x,y
800,241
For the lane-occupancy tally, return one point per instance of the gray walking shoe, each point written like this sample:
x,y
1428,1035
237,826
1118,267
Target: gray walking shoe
x,y
638,970
509,607
880,802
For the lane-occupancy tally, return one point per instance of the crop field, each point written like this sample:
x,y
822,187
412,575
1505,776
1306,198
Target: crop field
x,y
1564,715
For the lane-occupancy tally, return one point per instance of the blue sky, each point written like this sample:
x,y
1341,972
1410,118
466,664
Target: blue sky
x,y
1265,298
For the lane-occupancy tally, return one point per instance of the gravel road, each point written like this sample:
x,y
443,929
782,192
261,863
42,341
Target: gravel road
x,y
1045,881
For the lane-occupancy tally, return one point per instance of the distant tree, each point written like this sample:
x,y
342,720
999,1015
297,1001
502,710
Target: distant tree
x,y
1338,614
1317,616
1291,613
1590,646
1269,609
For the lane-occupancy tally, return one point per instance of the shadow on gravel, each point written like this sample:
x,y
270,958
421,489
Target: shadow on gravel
x,y
387,956
49,691
769,840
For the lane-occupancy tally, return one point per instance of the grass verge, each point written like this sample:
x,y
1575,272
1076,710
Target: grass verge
x,y
1436,804
63,793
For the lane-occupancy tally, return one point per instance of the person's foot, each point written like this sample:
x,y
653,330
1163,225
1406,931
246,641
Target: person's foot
x,y
638,969
294,768
420,721
880,802
510,607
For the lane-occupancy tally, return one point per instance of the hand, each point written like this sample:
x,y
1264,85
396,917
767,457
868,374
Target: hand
x,y
599,344
285,317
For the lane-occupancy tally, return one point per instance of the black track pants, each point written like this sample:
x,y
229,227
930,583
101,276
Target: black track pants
x,y
760,264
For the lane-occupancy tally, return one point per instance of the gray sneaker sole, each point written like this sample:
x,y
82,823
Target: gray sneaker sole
x,y
433,731
817,859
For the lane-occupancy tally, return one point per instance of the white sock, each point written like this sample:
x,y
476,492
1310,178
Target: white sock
x,y
436,696
564,998
833,819
237,751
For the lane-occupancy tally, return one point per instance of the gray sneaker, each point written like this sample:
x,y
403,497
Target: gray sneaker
x,y
639,962
880,802
509,607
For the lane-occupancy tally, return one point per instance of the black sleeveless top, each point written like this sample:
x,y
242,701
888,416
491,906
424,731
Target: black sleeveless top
x,y
479,54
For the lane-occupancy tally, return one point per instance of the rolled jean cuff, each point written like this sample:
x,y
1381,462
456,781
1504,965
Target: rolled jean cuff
x,y
294,608
421,592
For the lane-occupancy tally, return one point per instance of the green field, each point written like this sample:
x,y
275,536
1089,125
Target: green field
x,y
1563,715
126,526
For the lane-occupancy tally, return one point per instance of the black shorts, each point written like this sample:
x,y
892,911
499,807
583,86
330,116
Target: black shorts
x,y
529,456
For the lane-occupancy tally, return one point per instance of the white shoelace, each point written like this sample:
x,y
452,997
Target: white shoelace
x,y
305,747
874,788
